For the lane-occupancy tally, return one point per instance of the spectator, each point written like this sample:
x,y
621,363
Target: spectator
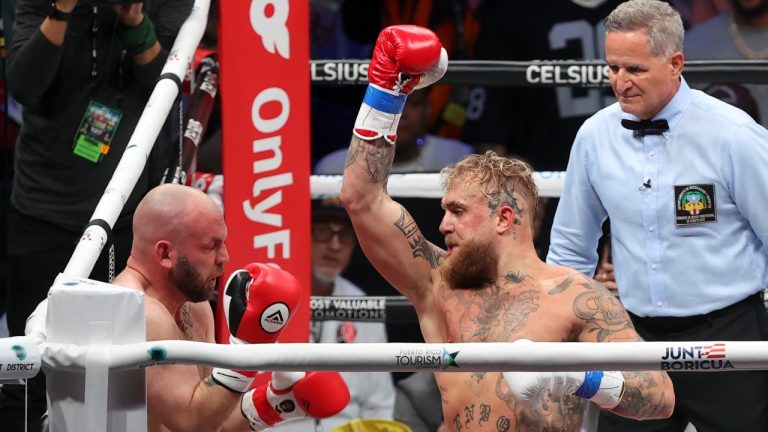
x,y
703,10
694,12
71,63
417,150
537,124
738,34
333,240
9,129
332,107
675,170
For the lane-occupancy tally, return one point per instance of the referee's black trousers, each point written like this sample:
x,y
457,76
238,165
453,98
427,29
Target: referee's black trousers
x,y
711,401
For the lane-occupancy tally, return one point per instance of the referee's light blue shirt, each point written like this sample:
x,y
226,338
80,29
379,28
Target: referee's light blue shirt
x,y
693,241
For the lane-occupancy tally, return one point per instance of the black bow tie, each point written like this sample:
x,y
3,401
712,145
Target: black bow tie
x,y
646,127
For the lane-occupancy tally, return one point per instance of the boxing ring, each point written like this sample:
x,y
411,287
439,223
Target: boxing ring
x,y
86,361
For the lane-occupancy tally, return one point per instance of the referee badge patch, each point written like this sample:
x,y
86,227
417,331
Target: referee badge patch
x,y
695,204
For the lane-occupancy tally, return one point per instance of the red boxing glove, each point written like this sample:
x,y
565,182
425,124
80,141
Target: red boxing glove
x,y
401,55
406,57
258,302
291,395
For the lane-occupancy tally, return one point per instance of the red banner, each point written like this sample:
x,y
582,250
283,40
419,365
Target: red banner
x,y
264,53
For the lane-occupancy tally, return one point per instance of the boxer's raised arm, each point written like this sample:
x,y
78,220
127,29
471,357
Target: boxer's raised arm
x,y
405,58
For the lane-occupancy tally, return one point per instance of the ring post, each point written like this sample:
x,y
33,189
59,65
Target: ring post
x,y
89,316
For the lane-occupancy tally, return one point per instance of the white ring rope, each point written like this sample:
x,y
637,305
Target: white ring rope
x,y
447,357
550,183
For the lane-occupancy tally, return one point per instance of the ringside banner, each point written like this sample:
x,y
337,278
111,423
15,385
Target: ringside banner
x,y
264,52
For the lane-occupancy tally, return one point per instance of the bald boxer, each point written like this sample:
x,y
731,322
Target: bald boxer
x,y
178,253
489,286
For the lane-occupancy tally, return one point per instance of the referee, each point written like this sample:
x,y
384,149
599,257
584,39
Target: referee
x,y
681,175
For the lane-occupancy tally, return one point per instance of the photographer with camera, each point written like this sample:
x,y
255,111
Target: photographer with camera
x,y
82,71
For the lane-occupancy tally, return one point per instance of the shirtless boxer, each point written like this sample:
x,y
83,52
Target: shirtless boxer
x,y
489,286
178,252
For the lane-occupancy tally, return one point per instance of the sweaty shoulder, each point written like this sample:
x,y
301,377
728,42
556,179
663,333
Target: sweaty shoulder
x,y
597,315
562,279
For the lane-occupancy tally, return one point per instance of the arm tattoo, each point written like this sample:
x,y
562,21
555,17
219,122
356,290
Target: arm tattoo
x,y
438,253
378,156
603,311
636,397
562,413
354,150
420,247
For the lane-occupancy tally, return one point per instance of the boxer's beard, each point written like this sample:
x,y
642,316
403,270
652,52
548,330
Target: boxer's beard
x,y
189,281
471,266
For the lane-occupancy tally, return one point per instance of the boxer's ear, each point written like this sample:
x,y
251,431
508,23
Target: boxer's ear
x,y
507,219
163,254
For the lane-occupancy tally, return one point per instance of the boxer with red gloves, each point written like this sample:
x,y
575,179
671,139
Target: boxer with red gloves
x,y
178,253
489,285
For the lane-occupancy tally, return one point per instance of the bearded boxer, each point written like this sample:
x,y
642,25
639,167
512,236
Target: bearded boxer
x,y
489,286
178,252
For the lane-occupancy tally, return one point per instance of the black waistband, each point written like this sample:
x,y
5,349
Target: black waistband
x,y
683,323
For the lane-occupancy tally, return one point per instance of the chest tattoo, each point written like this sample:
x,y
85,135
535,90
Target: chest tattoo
x,y
186,326
497,317
562,286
